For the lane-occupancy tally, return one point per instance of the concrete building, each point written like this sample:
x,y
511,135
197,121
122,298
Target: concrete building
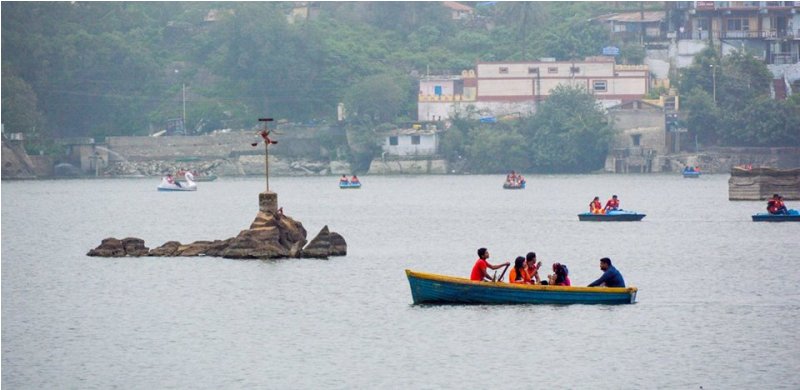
x,y
502,88
642,139
411,142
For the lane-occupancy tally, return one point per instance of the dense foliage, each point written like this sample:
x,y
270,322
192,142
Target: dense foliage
x,y
108,68
729,103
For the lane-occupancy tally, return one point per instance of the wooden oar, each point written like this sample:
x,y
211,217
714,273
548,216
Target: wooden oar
x,y
502,274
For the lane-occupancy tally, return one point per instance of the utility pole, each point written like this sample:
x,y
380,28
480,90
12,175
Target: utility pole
x,y
265,135
184,109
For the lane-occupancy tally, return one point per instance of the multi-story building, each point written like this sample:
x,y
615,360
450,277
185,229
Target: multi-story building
x,y
767,29
496,89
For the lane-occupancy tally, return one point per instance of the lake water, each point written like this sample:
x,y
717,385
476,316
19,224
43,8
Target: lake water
x,y
718,303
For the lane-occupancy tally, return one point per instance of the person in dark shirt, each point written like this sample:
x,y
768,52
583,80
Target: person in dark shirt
x,y
611,277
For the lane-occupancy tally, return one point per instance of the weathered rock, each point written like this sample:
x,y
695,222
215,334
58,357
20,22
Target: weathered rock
x,y
319,247
271,235
169,248
338,245
112,247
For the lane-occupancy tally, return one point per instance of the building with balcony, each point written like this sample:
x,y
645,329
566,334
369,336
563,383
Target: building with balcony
x,y
767,29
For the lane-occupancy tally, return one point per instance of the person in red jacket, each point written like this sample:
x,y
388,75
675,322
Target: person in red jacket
x,y
612,204
775,205
479,273
595,207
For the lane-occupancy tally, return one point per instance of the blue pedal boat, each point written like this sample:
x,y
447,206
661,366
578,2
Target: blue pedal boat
x,y
691,174
612,216
349,186
791,216
440,289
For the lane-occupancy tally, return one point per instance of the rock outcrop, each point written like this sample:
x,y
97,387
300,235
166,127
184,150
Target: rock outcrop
x,y
271,235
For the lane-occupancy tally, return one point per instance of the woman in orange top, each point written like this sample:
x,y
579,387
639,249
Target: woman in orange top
x,y
532,268
518,274
596,207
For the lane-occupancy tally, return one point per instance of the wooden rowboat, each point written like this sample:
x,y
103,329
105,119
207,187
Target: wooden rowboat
x,y
440,289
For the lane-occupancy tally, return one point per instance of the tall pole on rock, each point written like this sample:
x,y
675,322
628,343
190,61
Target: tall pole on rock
x,y
265,134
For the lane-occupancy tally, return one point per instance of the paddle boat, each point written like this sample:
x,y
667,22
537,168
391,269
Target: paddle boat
x,y
168,183
514,186
612,215
691,174
441,289
180,176
791,215
349,186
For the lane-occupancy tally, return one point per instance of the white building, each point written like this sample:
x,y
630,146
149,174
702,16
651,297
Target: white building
x,y
411,142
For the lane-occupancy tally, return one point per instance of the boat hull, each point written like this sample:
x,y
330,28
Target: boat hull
x,y
624,216
691,175
439,289
349,186
514,187
793,216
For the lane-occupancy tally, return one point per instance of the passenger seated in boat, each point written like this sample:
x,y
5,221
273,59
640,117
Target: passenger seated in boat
x,y
171,180
343,180
595,207
518,274
532,268
775,205
560,277
354,180
612,204
688,169
479,269
611,277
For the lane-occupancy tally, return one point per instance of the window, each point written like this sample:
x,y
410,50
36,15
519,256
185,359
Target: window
x,y
393,141
552,69
533,70
636,138
600,85
503,70
414,140
574,69
736,24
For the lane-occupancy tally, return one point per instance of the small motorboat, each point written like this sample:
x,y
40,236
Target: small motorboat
x,y
691,174
514,186
791,215
349,186
440,289
168,183
612,216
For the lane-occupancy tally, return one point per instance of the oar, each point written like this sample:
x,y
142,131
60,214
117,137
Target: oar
x,y
502,274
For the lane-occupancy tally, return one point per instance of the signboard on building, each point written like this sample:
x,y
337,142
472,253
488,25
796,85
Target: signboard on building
x,y
610,51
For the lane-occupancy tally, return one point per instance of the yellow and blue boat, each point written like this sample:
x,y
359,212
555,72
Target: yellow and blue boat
x,y
440,289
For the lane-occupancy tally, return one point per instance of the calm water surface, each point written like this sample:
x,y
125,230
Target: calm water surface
x,y
719,298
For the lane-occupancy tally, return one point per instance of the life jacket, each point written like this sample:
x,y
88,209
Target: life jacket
x,y
595,207
772,205
612,204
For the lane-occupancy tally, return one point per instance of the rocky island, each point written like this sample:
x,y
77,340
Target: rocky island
x,y
272,235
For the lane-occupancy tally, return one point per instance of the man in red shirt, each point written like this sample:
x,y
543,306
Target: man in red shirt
x,y
612,204
479,269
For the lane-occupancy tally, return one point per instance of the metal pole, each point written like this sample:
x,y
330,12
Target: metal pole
x,y
714,81
266,162
184,109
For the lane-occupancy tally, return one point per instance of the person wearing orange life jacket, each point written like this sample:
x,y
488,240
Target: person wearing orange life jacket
x,y
595,207
518,274
532,268
612,204
775,205
354,180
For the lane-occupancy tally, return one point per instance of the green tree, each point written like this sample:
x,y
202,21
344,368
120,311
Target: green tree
x,y
569,132
375,99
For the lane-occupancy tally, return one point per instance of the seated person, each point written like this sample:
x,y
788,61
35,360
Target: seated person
x,y
354,180
612,204
595,207
532,267
518,274
560,277
343,180
775,205
611,277
171,180
479,273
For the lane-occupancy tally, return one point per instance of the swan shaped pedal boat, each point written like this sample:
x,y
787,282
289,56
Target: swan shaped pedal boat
x,y
172,185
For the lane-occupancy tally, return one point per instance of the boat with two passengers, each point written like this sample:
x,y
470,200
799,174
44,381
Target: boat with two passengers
x,y
429,288
612,216
168,183
791,215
